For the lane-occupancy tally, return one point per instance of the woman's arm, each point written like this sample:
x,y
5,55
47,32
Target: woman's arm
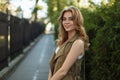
x,y
76,50
49,75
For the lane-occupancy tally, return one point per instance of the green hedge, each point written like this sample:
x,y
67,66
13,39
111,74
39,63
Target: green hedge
x,y
103,28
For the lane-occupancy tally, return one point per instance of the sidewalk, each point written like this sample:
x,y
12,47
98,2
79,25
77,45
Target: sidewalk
x,y
33,64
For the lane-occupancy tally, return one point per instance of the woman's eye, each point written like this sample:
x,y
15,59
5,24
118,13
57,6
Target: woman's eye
x,y
64,19
71,18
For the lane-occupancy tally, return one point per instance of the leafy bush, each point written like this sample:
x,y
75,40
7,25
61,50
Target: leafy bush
x,y
102,60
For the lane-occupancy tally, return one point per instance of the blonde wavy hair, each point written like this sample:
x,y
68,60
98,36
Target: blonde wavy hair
x,y
78,21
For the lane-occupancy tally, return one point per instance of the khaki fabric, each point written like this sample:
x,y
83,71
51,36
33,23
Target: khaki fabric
x,y
57,60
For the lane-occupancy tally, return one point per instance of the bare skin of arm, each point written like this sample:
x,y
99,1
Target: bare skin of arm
x,y
76,50
49,75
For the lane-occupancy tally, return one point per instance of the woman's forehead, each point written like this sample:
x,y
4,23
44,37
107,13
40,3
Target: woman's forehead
x,y
68,13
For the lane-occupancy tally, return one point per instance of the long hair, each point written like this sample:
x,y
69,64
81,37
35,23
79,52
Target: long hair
x,y
78,21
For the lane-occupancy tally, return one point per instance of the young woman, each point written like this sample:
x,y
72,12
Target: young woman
x,y
65,64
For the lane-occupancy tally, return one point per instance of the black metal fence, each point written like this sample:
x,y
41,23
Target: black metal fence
x,y
3,40
21,33
16,37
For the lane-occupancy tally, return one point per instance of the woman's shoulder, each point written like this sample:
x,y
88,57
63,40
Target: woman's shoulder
x,y
79,41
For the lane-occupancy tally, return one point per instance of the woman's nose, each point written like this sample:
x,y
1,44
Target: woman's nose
x,y
67,21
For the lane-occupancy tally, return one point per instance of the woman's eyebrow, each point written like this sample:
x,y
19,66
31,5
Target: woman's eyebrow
x,y
70,17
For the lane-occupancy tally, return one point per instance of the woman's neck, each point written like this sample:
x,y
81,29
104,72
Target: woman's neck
x,y
71,34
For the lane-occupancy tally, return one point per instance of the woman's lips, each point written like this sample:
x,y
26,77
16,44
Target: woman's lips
x,y
67,25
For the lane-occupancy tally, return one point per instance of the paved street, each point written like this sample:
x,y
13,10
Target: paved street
x,y
35,65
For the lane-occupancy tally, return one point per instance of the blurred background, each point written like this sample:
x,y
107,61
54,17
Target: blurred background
x,y
101,21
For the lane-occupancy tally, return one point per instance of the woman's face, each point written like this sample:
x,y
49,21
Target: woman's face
x,y
68,22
